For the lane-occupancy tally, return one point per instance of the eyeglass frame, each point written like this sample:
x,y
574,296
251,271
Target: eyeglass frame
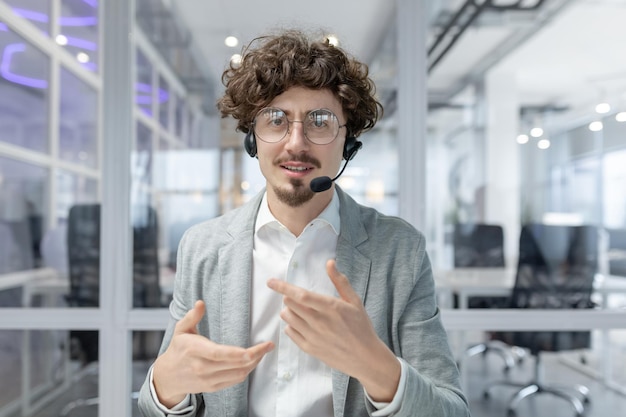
x,y
289,122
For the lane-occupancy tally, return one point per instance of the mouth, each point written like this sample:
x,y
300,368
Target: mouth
x,y
296,170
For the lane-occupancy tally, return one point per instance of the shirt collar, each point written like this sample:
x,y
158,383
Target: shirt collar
x,y
329,215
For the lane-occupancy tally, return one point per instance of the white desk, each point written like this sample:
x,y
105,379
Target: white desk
x,y
499,282
49,284
468,282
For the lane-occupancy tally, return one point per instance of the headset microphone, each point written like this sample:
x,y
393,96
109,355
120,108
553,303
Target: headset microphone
x,y
321,184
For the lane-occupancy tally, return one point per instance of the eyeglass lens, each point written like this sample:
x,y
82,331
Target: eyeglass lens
x,y
320,126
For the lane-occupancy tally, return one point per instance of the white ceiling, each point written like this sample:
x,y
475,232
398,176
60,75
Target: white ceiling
x,y
359,24
564,54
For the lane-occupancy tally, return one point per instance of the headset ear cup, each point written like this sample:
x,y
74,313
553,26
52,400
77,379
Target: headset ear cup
x,y
249,143
351,147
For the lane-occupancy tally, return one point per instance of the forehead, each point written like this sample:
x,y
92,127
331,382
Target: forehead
x,y
300,100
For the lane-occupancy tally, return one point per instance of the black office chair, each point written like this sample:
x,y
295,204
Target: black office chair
x,y
479,245
617,252
556,270
83,248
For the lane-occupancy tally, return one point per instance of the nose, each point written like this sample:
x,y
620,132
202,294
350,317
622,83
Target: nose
x,y
296,141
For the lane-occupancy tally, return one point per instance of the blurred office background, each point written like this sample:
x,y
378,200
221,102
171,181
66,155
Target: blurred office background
x,y
503,140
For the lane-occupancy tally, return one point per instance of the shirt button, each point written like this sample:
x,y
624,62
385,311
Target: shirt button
x,y
287,376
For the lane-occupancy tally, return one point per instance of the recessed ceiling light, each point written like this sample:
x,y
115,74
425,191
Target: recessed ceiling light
x,y
231,41
535,132
333,40
61,40
621,116
596,126
543,144
603,108
236,59
82,57
522,139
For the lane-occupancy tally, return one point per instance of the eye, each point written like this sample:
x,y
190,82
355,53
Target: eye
x,y
274,117
320,119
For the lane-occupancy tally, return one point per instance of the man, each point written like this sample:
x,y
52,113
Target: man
x,y
302,302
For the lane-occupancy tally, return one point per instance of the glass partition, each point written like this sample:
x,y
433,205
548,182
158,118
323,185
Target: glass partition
x,y
49,372
24,93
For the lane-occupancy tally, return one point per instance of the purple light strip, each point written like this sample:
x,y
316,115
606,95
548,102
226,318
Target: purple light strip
x,y
5,68
63,21
92,3
81,43
4,27
90,66
147,88
143,99
143,87
31,15
78,21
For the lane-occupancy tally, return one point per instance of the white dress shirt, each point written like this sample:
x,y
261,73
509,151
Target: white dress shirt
x,y
288,382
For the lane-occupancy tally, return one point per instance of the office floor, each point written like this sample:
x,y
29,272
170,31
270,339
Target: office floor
x,y
479,371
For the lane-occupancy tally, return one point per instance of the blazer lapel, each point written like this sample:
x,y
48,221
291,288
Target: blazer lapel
x,y
235,266
356,266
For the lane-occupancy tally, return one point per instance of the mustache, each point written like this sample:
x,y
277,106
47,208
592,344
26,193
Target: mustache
x,y
304,158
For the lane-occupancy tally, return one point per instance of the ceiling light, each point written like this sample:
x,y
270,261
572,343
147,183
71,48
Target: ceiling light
x,y
603,108
595,126
621,116
231,41
61,40
522,139
536,132
333,40
82,57
235,59
543,144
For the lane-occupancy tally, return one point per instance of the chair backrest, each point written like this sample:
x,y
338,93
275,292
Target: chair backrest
x,y
83,251
556,267
617,252
478,245
83,248
146,287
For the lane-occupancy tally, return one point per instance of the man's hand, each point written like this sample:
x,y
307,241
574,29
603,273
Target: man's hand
x,y
339,332
192,363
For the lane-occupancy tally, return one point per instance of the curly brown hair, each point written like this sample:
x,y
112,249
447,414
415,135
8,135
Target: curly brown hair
x,y
272,64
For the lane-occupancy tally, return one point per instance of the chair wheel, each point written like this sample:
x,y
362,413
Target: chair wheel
x,y
586,400
486,395
506,370
510,413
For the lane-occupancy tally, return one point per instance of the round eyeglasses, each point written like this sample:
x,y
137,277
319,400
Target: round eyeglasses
x,y
320,126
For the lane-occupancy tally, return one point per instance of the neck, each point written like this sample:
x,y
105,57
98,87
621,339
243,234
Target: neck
x,y
296,218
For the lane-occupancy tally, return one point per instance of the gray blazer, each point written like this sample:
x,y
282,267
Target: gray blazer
x,y
384,258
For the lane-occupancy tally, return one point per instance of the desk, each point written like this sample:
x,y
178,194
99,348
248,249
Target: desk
x,y
49,286
499,282
468,282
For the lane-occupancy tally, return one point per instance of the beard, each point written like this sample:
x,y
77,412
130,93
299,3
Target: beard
x,y
298,192
296,196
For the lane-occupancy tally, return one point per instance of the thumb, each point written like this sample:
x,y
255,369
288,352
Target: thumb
x,y
341,283
189,322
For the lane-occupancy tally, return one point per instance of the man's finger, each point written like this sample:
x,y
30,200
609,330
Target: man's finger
x,y
234,356
341,283
188,323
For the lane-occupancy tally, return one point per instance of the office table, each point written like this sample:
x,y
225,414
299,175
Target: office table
x,y
499,282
